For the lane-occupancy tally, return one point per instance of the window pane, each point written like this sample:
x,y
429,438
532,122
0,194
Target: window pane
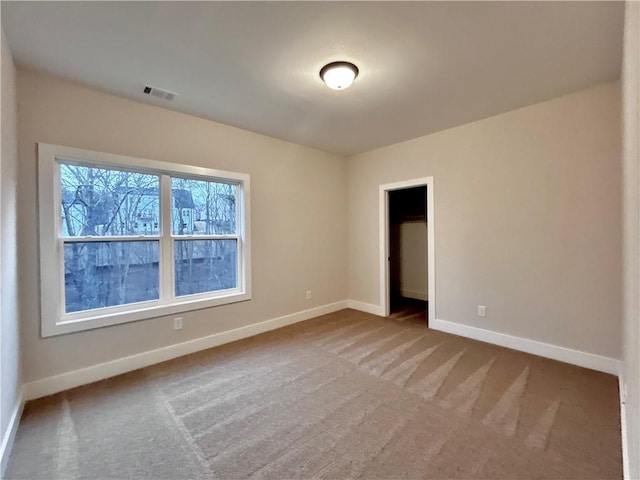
x,y
105,274
100,201
205,265
203,208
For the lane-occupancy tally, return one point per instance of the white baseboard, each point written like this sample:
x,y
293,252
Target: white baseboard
x,y
365,307
65,381
555,352
9,435
415,295
623,427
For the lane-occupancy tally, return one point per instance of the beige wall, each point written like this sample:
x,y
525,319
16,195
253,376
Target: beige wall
x,y
527,219
9,328
413,260
631,169
298,198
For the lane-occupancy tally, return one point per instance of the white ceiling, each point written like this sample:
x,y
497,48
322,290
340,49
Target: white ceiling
x,y
424,66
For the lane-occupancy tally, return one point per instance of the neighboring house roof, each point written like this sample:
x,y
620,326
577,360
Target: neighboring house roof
x,y
182,198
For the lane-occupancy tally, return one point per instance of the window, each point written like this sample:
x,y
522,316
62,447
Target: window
x,y
124,239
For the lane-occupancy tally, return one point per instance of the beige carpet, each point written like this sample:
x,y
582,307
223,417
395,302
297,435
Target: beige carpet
x,y
347,395
409,309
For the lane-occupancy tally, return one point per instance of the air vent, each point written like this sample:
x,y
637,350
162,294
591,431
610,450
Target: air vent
x,y
159,93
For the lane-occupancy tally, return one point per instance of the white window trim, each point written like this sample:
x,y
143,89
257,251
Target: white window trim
x,y
53,320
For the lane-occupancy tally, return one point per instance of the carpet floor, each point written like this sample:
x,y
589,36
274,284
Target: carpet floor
x,y
346,395
409,308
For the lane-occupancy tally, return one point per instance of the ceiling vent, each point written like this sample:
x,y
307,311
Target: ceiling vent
x,y
159,93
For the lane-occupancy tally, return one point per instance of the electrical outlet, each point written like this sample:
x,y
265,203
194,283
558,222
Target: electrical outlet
x,y
177,323
308,294
482,311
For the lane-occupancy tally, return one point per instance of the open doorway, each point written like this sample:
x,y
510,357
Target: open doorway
x,y
408,279
407,283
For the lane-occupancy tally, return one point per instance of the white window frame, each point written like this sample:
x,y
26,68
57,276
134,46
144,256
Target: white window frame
x,y
54,319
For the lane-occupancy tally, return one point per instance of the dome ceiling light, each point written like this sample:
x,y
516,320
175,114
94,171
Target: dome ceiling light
x,y
339,75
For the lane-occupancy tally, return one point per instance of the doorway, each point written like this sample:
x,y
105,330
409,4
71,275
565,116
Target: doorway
x,y
407,283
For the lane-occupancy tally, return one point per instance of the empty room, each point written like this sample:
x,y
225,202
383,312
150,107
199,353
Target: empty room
x,y
293,240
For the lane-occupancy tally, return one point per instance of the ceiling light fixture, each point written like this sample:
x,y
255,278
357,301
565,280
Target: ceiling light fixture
x,y
339,75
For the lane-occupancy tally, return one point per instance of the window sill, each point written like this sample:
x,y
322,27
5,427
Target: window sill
x,y
53,327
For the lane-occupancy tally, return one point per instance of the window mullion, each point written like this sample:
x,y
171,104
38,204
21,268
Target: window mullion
x,y
207,237
124,238
167,264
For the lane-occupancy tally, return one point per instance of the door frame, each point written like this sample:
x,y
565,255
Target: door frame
x,y
383,212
